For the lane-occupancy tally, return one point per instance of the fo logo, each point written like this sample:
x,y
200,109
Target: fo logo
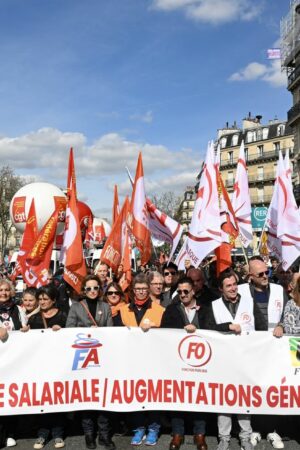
x,y
245,318
87,352
194,351
278,304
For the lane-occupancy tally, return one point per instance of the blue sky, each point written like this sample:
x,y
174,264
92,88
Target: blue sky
x,y
114,77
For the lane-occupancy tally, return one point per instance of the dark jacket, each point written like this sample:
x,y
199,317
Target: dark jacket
x,y
174,317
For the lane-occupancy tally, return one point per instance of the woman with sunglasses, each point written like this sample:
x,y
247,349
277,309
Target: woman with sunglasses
x,y
91,311
115,298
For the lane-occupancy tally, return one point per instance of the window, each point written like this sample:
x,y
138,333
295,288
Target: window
x,y
260,150
249,137
260,173
280,129
223,142
259,134
230,180
275,169
265,133
230,157
260,194
246,154
276,146
235,139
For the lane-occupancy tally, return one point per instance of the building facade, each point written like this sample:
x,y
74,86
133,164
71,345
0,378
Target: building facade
x,y
262,144
290,61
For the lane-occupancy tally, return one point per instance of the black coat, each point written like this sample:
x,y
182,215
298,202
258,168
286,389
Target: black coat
x,y
173,317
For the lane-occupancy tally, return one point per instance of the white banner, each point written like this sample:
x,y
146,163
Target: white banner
x,y
122,369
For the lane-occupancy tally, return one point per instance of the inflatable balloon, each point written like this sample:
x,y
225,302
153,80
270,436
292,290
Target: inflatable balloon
x,y
46,197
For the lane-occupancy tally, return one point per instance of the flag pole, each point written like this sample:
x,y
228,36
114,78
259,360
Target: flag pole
x,y
244,252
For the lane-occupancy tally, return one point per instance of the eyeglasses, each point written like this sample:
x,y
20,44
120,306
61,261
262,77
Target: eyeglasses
x,y
169,273
261,274
140,289
157,284
113,293
183,291
92,288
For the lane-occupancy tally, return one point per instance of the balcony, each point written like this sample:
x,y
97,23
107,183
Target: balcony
x,y
293,77
294,114
253,158
266,199
267,176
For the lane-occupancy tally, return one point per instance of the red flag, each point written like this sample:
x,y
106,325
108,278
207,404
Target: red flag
x,y
116,206
29,237
229,227
71,182
113,250
39,257
139,220
89,233
117,249
75,268
100,232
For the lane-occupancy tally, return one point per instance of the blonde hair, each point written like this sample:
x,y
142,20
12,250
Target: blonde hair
x,y
10,284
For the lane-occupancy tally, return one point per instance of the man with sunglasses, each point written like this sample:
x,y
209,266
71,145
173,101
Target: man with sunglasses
x,y
170,274
271,300
185,313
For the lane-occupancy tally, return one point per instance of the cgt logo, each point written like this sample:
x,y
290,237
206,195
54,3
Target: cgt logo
x,y
87,352
194,351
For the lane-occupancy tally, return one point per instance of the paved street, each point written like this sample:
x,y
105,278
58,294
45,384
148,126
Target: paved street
x,y
123,443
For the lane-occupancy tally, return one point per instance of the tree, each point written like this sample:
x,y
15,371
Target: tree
x,y
10,183
167,202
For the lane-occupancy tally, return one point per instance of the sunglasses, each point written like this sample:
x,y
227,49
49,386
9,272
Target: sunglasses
x,y
113,293
92,288
183,291
169,273
261,274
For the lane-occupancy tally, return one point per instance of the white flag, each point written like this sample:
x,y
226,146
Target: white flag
x,y
205,229
241,202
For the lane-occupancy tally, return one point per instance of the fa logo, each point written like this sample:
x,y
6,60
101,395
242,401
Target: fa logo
x,y
86,354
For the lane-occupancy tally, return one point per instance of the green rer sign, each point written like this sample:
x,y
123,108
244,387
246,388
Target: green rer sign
x,y
258,217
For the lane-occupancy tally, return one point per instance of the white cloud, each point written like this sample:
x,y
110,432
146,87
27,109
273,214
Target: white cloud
x,y
146,118
45,154
221,11
271,73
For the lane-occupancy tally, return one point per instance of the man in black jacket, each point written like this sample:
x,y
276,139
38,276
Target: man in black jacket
x,y
185,313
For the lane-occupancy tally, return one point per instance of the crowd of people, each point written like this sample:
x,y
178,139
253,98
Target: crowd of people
x,y
158,297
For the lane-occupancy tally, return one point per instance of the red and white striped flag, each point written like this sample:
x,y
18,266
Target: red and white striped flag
x,y
204,234
241,202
